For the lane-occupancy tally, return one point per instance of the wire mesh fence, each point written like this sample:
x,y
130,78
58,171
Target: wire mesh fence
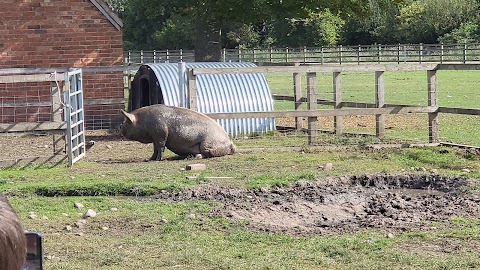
x,y
27,130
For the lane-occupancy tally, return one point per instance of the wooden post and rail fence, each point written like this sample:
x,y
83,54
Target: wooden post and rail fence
x,y
380,109
352,54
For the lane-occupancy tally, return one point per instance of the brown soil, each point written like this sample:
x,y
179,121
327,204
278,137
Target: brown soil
x,y
343,204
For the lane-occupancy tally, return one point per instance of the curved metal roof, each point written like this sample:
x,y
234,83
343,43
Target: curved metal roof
x,y
219,93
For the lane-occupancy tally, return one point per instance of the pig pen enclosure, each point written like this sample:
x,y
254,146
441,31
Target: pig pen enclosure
x,y
339,178
375,105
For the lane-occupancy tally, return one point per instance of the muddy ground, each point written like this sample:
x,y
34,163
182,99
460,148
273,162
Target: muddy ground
x,y
344,204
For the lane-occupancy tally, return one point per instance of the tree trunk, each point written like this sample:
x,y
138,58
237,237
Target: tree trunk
x,y
207,39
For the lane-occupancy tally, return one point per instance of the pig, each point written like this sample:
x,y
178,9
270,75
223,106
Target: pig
x,y
183,131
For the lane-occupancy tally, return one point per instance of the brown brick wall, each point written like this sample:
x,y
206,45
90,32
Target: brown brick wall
x,y
60,34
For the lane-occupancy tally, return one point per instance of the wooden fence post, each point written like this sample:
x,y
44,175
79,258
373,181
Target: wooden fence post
x,y
420,53
57,113
337,98
304,54
297,96
380,103
358,54
340,50
312,105
192,90
433,134
379,53
322,60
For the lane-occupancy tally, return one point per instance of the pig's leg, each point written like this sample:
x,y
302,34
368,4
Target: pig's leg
x,y
197,152
158,149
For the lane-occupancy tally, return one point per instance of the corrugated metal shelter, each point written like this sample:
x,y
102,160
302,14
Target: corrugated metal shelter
x,y
168,84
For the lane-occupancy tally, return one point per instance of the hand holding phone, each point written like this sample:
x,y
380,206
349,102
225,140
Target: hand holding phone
x,y
34,251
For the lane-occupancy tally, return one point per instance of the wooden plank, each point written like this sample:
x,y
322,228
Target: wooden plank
x,y
297,97
312,105
57,115
98,101
32,126
459,145
379,103
345,103
11,71
433,135
459,110
324,112
304,68
107,12
25,104
192,90
303,100
317,68
337,98
123,68
458,67
32,78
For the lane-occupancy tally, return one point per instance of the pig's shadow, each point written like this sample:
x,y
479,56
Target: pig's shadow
x,y
136,160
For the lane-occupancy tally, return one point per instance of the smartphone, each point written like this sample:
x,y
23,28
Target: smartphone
x,y
34,251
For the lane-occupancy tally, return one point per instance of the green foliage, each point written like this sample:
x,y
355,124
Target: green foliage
x,y
176,33
468,32
317,29
142,19
242,36
155,24
427,20
376,26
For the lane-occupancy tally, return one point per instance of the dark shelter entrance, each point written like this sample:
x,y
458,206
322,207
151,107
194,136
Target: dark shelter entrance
x,y
144,89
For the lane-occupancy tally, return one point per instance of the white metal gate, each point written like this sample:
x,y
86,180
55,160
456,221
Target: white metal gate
x,y
74,116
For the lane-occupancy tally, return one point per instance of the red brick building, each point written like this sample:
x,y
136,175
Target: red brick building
x,y
61,34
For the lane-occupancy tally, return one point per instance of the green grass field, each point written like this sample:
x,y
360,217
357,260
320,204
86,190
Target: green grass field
x,y
159,234
455,89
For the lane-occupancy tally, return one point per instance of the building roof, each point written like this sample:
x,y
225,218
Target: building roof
x,y
108,13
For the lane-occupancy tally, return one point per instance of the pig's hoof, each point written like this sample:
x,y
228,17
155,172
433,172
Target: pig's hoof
x,y
198,156
154,159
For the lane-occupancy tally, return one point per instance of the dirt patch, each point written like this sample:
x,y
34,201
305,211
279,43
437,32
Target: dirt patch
x,y
343,204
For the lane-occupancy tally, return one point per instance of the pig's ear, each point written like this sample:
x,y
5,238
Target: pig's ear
x,y
129,117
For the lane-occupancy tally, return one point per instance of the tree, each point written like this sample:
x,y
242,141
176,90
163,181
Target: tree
x,y
468,32
317,29
425,21
141,20
378,25
212,19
